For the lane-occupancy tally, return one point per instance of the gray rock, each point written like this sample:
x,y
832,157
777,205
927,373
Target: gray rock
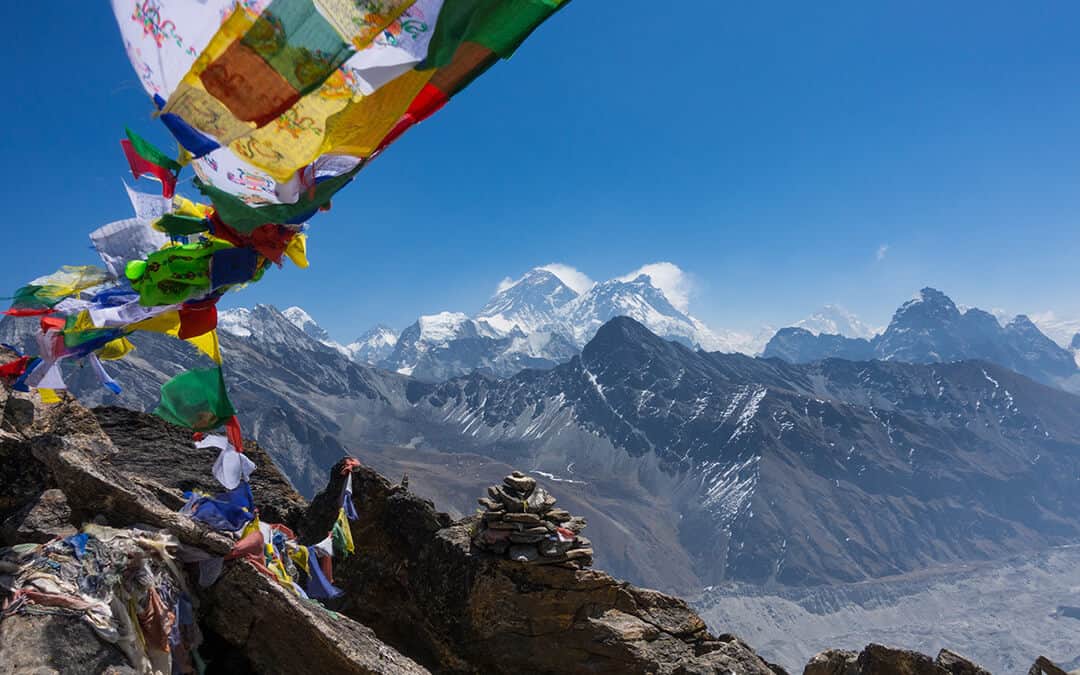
x,y
959,665
42,520
526,518
524,485
53,644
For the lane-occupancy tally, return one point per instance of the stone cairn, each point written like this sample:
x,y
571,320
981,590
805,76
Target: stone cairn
x,y
519,522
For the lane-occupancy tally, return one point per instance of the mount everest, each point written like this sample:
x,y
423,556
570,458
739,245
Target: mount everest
x,y
539,320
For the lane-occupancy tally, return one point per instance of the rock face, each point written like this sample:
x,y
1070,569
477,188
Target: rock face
x,y
880,660
418,580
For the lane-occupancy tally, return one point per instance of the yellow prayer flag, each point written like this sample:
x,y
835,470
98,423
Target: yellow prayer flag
x,y
343,520
207,343
166,322
117,349
296,250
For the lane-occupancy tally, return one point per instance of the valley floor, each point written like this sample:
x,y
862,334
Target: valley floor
x,y
1001,615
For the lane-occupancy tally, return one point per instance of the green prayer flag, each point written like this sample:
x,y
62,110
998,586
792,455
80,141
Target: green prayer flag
x,y
178,225
243,218
150,153
499,25
33,297
196,399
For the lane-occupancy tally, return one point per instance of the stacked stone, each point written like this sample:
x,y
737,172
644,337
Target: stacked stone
x,y
520,522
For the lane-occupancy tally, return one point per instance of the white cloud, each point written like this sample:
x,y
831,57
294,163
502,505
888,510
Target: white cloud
x,y
575,279
881,251
669,278
572,277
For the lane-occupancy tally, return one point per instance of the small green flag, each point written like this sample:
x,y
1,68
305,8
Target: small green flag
x,y
196,399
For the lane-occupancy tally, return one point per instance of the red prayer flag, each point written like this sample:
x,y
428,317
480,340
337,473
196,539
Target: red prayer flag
x,y
349,464
198,318
269,241
427,103
232,432
251,547
141,166
327,567
52,323
15,368
17,311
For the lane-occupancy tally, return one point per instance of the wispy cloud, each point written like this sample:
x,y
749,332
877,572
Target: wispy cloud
x,y
572,277
881,251
669,278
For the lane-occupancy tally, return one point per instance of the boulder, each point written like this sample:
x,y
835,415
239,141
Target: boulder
x,y
45,518
1044,666
280,633
64,645
959,665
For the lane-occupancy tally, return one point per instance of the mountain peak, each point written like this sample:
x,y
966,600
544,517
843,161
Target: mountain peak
x,y
302,320
620,335
930,307
835,320
531,303
374,345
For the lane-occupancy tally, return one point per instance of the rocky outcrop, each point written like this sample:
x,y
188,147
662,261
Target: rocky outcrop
x,y
1044,666
44,518
880,660
281,633
78,472
418,580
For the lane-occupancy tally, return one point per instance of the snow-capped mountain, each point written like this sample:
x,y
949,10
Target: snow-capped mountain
x,y
931,329
374,346
304,322
835,320
440,346
273,326
541,320
535,302
641,300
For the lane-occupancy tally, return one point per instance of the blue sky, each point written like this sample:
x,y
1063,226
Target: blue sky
x,y
770,151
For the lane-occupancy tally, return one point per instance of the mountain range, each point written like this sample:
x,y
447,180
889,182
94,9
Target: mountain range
x,y
932,329
692,467
536,321
547,316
